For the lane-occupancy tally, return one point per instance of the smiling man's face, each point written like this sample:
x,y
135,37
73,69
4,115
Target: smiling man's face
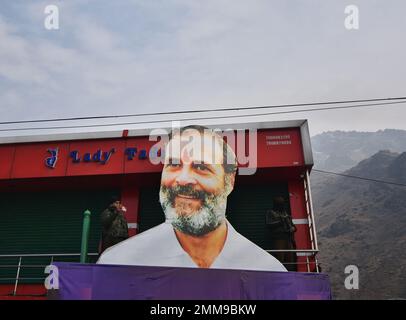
x,y
194,186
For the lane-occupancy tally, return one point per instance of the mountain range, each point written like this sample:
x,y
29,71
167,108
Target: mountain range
x,y
362,222
341,150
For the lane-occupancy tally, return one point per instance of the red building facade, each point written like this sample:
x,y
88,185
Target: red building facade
x,y
47,182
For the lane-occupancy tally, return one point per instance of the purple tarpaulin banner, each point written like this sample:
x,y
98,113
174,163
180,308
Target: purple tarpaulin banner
x,y
97,281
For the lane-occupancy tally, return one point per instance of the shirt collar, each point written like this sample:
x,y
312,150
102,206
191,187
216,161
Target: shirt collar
x,y
173,249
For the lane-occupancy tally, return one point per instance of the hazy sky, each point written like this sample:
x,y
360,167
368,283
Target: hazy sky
x,y
120,57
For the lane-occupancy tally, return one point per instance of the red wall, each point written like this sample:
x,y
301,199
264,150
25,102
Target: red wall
x,y
298,210
280,148
6,161
130,199
24,292
29,160
276,148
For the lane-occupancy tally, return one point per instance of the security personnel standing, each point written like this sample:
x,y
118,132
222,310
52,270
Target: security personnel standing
x,y
282,233
114,224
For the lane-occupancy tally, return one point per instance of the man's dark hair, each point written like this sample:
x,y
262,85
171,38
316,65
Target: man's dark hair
x,y
114,198
279,203
228,153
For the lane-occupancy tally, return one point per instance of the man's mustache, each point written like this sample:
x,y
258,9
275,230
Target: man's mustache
x,y
187,190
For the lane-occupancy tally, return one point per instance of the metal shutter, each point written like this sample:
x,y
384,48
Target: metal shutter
x,y
246,210
150,210
47,223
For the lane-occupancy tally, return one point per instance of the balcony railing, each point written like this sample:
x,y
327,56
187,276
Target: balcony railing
x,y
310,254
12,266
11,273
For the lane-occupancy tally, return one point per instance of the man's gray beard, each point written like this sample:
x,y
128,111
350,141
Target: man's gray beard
x,y
207,219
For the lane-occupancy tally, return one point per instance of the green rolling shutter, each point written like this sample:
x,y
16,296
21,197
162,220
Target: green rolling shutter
x,y
150,210
246,210
47,223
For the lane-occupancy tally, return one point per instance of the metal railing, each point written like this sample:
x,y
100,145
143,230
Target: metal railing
x,y
308,253
310,216
21,266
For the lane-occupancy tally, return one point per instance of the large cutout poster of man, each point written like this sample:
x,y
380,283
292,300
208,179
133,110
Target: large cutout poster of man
x,y
197,177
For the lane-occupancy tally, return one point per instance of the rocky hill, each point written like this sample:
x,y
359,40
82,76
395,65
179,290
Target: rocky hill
x,y
363,223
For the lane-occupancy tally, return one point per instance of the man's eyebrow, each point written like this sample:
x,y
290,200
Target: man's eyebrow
x,y
173,160
209,164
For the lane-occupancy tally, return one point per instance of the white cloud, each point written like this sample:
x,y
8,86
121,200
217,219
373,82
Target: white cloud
x,y
172,55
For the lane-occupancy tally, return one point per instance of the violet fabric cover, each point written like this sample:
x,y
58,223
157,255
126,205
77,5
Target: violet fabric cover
x,y
97,281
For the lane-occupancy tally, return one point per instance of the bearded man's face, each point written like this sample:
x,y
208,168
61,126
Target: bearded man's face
x,y
194,186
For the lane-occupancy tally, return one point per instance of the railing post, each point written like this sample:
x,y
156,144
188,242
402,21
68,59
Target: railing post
x,y
309,190
17,276
307,263
85,236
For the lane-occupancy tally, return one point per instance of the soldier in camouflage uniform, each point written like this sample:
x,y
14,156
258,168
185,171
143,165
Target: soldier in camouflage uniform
x,y
282,233
114,224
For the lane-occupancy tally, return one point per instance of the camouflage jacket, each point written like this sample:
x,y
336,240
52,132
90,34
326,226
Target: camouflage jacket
x,y
280,222
114,223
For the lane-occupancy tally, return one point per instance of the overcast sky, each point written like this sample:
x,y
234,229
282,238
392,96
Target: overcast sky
x,y
120,57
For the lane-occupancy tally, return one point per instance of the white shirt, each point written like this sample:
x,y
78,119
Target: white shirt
x,y
160,247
